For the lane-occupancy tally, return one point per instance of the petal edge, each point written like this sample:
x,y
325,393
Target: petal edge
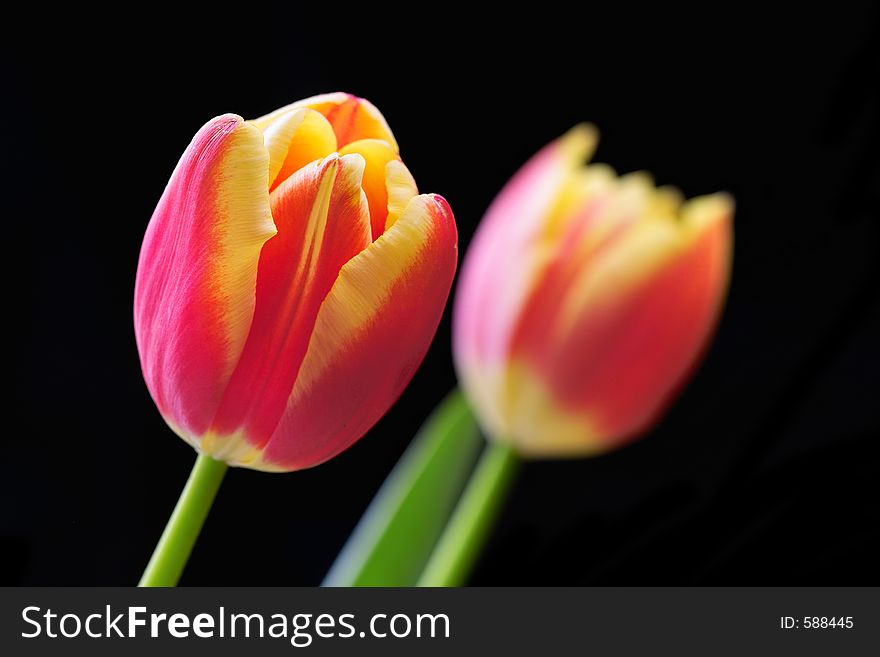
x,y
194,293
372,332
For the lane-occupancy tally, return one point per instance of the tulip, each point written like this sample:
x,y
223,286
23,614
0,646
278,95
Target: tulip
x,y
289,284
584,302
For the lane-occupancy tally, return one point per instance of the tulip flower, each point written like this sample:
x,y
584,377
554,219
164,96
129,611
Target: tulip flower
x,y
584,302
289,284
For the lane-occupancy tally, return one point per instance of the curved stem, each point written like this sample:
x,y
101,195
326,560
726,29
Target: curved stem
x,y
470,524
177,541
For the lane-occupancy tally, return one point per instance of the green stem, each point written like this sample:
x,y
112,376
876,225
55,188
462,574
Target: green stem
x,y
470,524
185,523
397,533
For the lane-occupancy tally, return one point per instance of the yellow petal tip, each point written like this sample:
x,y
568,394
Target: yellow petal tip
x,y
580,142
708,208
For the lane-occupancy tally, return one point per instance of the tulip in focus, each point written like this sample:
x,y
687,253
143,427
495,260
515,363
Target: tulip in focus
x,y
289,283
585,301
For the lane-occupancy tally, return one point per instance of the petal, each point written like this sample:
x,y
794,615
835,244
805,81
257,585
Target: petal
x,y
502,250
536,422
378,154
502,265
607,215
372,333
400,187
323,221
194,294
352,118
625,334
294,138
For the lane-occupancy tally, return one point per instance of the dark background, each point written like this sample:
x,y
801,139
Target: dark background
x,y
764,472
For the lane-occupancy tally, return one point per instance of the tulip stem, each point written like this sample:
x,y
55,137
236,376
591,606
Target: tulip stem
x,y
397,534
185,523
459,547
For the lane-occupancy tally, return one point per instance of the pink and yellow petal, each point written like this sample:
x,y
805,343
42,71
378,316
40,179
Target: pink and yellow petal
x,y
194,294
502,266
371,334
323,221
627,333
603,243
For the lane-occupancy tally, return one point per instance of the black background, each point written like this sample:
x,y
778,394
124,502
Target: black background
x,y
764,472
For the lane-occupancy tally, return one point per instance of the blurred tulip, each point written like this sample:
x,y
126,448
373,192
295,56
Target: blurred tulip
x,y
585,300
289,283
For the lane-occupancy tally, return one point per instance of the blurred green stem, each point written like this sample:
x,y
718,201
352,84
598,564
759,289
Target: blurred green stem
x,y
395,537
185,523
470,524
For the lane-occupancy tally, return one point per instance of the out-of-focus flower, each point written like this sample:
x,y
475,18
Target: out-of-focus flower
x,y
289,283
585,300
